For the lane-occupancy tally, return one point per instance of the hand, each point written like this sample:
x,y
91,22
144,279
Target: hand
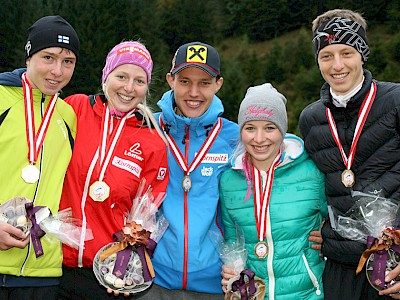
x,y
116,293
393,291
12,237
226,273
316,237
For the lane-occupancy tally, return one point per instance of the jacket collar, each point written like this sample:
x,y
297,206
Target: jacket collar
x,y
355,101
292,149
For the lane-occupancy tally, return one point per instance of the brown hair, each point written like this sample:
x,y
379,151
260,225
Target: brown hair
x,y
341,13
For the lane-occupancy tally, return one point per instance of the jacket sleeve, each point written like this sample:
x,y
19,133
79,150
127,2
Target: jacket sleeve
x,y
322,197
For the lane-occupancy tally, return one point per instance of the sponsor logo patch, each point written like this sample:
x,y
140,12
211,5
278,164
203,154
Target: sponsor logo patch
x,y
161,173
127,165
215,158
207,172
134,152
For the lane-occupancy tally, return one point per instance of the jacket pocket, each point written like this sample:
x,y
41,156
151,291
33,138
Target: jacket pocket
x,y
312,276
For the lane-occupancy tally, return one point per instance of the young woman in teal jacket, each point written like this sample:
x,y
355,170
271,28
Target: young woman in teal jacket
x,y
275,194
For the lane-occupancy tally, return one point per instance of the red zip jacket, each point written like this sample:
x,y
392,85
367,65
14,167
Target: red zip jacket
x,y
138,153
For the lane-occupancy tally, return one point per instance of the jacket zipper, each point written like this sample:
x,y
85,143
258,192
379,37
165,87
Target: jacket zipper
x,y
270,242
37,186
313,278
186,141
85,195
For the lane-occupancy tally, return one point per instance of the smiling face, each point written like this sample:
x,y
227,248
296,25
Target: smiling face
x,y
194,90
342,67
50,69
262,140
125,87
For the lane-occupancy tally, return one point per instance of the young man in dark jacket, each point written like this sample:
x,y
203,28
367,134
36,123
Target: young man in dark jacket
x,y
353,135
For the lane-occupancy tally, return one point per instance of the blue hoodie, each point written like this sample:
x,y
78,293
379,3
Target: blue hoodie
x,y
12,78
203,263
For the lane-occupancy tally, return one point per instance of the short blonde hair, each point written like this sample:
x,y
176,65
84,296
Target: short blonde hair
x,y
341,13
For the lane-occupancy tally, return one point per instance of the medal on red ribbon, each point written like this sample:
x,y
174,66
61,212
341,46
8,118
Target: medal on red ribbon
x,y
99,190
261,249
30,173
348,177
183,160
261,204
186,183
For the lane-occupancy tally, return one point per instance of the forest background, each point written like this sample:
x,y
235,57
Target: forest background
x,y
258,41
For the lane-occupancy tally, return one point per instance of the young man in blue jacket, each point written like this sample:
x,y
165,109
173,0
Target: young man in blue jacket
x,y
186,263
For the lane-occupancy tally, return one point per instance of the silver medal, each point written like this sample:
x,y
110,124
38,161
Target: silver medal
x,y
186,183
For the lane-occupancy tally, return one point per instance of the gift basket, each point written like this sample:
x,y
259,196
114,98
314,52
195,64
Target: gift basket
x,y
371,221
234,255
39,222
125,265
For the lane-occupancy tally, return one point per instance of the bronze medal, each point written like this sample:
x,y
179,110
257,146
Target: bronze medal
x,y
99,191
261,249
30,174
348,178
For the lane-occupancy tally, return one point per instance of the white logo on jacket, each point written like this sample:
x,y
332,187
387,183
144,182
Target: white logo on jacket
x,y
61,123
161,173
134,152
127,165
207,171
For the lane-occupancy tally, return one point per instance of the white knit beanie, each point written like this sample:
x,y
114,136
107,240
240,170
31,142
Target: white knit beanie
x,y
264,102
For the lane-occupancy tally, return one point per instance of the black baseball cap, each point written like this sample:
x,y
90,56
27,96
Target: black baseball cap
x,y
199,55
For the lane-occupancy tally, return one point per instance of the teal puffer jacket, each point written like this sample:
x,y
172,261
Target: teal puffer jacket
x,y
292,269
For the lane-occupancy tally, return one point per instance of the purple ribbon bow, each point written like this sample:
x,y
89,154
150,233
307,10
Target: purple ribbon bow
x,y
122,259
240,284
379,263
36,231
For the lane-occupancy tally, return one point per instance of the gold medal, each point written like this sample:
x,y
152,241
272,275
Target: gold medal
x,y
99,191
186,183
30,174
348,178
261,249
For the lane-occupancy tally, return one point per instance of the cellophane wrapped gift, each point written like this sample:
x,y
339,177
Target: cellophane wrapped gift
x,y
39,222
62,227
125,265
234,255
371,220
13,212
